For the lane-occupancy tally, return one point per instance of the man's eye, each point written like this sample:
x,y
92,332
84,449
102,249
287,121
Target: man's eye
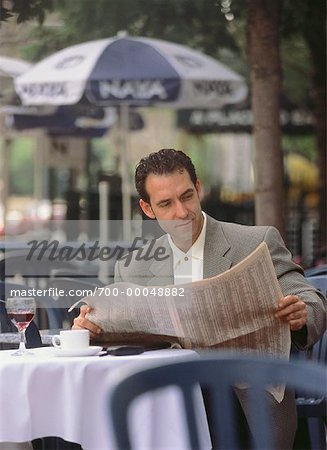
x,y
188,196
164,205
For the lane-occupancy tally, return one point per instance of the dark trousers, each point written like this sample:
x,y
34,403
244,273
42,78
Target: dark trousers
x,y
284,420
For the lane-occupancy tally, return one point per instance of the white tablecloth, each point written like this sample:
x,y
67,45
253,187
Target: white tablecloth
x,y
47,395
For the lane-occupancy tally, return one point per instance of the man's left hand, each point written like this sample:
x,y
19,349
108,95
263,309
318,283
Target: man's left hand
x,y
293,310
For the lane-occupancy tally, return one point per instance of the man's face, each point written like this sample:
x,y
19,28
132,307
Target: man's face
x,y
175,203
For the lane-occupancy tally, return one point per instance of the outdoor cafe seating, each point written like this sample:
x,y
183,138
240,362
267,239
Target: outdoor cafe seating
x,y
53,317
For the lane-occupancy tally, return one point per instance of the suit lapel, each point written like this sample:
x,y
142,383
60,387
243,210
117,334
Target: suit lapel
x,y
216,246
162,271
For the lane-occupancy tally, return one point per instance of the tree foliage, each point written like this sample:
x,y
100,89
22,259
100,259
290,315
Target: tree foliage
x,y
25,10
183,21
197,23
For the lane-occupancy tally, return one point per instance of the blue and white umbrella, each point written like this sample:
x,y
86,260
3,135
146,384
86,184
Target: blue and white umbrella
x,y
135,70
12,67
130,71
9,69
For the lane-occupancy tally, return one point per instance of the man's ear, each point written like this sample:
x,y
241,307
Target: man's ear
x,y
146,208
198,187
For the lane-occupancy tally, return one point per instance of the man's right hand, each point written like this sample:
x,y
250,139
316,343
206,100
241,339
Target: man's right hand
x,y
81,323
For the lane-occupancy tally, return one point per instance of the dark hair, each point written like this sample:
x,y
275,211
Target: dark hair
x,y
164,161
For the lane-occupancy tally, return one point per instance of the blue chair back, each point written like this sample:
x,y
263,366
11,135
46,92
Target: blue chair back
x,y
319,282
314,271
311,409
217,373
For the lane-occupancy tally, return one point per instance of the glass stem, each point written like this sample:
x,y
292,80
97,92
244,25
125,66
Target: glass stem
x,y
22,346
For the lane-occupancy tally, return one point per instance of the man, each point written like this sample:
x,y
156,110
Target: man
x,y
170,192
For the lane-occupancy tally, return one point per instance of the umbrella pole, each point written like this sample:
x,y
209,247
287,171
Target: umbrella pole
x,y
104,230
126,183
42,143
4,189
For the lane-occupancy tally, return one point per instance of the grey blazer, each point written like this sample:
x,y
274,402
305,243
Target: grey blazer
x,y
226,244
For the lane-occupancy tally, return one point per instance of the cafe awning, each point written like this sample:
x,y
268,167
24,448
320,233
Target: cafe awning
x,y
238,118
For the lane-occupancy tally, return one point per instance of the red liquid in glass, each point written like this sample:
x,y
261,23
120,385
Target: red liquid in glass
x,y
21,319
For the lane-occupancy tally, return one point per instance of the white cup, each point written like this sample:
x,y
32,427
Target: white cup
x,y
71,339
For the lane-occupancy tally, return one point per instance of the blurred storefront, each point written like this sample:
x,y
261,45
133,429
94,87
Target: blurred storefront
x,y
232,199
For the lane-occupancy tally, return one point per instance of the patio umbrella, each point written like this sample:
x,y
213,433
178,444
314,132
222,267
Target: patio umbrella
x,y
130,71
9,69
12,67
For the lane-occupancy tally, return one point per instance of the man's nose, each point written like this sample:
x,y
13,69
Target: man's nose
x,y
181,211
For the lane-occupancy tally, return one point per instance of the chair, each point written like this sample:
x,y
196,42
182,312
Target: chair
x,y
312,410
44,303
34,273
319,282
314,271
34,269
217,373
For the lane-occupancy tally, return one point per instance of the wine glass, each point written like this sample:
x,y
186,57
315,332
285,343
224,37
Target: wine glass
x,y
21,311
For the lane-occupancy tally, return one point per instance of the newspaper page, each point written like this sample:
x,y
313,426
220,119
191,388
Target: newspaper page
x,y
233,310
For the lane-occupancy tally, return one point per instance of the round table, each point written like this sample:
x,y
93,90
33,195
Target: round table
x,y
48,395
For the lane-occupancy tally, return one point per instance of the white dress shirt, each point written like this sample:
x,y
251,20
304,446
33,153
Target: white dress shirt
x,y
188,266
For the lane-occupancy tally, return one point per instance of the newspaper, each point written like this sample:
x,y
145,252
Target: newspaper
x,y
233,310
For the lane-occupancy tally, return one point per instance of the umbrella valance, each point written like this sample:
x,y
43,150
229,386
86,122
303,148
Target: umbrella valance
x,y
135,70
67,120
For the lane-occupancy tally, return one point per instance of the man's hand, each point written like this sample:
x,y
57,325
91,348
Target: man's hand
x,y
81,323
293,310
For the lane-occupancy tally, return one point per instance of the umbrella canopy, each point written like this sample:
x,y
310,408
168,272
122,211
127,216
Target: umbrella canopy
x,y
9,69
135,70
12,67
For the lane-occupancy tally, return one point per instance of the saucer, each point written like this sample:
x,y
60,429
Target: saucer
x,y
88,351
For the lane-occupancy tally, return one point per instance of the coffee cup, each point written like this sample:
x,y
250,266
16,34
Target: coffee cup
x,y
71,339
